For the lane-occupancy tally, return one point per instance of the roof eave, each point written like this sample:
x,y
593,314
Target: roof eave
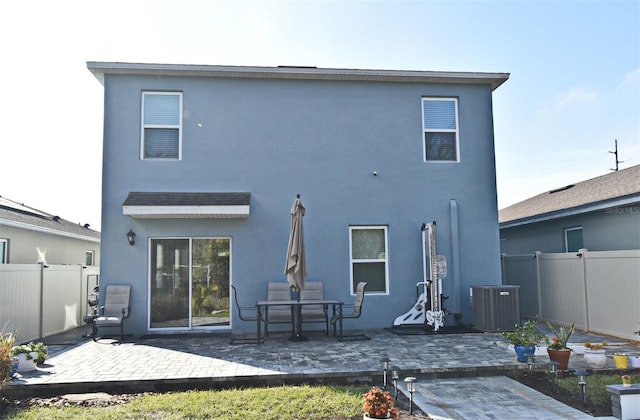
x,y
99,69
600,205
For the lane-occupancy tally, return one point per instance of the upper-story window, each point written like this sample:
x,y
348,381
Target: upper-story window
x,y
440,125
161,125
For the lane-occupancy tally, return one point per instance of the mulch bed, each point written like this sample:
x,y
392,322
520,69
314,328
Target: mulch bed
x,y
540,382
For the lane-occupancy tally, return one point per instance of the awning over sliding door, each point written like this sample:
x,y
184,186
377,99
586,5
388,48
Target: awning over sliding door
x,y
186,205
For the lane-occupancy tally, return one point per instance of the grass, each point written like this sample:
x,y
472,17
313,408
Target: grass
x,y
274,403
285,402
596,386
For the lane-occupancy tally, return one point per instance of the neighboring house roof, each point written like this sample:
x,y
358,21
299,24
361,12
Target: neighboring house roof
x,y
99,69
20,216
617,188
166,205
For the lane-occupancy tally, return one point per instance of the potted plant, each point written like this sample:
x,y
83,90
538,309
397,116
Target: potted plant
x,y
594,354
558,350
378,404
29,355
524,339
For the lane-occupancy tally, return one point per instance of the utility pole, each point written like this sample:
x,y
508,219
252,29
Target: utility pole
x,y
615,152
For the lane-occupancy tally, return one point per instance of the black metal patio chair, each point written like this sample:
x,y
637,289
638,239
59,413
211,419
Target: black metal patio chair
x,y
356,312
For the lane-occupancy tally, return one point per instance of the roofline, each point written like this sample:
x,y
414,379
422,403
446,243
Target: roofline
x,y
99,69
27,226
572,211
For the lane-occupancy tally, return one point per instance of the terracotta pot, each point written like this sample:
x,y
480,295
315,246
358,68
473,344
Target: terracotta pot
x,y
560,356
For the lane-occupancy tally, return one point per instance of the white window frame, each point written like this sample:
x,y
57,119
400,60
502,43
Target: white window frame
x,y
91,252
456,130
353,261
566,238
161,126
4,251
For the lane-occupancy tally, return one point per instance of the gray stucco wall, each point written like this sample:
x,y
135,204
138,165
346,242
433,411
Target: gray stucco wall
x,y
609,229
323,140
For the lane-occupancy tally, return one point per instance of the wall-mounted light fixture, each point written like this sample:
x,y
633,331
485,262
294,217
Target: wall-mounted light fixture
x,y
131,237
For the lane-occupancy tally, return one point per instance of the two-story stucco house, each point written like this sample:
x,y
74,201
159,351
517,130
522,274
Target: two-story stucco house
x,y
203,164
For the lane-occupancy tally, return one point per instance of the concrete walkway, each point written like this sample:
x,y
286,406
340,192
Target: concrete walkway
x,y
460,376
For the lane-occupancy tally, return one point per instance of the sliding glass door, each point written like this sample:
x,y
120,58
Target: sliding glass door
x,y
189,283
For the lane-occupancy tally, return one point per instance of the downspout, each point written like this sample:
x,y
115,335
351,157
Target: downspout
x,y
455,257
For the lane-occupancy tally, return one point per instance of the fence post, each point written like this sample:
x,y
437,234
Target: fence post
x,y
582,253
41,317
536,255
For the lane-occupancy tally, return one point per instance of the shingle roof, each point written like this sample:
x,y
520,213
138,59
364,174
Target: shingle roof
x,y
19,215
615,188
187,199
180,205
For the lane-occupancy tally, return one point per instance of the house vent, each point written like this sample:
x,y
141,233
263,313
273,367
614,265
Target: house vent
x,y
562,189
496,307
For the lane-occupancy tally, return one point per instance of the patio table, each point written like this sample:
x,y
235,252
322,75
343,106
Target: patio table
x,y
336,305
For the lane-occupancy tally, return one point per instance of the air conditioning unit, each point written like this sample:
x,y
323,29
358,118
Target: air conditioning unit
x,y
495,307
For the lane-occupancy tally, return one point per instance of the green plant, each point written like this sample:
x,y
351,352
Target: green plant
x,y
29,348
526,334
378,404
7,340
560,337
275,403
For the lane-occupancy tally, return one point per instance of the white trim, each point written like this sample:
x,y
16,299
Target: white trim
x,y
566,239
179,212
49,231
385,260
93,257
143,126
99,69
5,250
456,130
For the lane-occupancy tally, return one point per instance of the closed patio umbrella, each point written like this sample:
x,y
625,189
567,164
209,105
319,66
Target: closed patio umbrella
x,y
296,266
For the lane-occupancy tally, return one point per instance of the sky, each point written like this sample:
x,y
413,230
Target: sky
x,y
574,85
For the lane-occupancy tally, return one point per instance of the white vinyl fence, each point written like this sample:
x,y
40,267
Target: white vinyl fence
x,y
599,291
39,300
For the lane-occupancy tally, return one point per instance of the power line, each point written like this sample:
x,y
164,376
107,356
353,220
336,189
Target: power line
x,y
535,178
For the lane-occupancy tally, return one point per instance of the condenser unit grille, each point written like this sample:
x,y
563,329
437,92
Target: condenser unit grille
x,y
496,307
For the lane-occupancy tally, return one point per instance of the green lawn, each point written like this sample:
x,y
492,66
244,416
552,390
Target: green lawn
x,y
286,402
